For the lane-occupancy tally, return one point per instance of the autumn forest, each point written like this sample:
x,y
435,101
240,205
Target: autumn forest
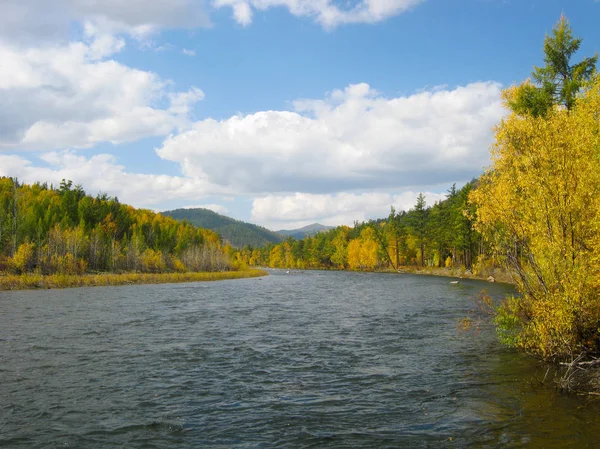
x,y
440,235
63,230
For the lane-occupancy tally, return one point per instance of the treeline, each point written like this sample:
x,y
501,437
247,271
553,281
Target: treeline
x,y
63,230
437,236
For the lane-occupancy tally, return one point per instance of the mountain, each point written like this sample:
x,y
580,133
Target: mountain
x,y
237,233
309,230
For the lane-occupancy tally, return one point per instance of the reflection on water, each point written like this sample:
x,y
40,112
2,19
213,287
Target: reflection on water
x,y
311,359
527,412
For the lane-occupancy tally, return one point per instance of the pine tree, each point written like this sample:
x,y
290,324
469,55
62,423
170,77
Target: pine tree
x,y
558,82
420,224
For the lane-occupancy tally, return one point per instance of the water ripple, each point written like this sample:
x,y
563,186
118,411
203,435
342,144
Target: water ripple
x,y
311,360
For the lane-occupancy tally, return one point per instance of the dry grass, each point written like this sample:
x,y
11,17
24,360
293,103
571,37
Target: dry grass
x,y
36,281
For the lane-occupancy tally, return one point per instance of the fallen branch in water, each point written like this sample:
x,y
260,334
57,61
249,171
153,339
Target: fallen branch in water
x,y
576,363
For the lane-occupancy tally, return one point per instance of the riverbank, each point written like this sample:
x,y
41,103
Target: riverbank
x,y
490,275
31,281
494,275
581,378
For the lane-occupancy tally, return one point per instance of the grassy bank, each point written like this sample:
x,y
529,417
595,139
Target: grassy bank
x,y
37,281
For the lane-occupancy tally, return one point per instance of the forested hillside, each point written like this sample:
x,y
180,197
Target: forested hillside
x,y
236,233
437,235
63,230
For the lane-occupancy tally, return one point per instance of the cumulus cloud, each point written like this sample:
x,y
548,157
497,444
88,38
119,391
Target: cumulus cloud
x,y
301,209
242,13
325,12
74,95
354,139
297,163
36,21
102,173
181,102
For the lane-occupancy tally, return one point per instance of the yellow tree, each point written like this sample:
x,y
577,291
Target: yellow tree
x,y
539,208
369,247
255,258
21,261
288,258
354,261
340,244
276,257
362,252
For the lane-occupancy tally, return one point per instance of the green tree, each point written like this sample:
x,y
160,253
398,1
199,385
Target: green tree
x,y
466,239
419,224
558,82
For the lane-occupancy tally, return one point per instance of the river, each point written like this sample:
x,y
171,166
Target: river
x,y
305,359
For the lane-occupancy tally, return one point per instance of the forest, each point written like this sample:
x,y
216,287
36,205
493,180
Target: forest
x,y
63,230
440,235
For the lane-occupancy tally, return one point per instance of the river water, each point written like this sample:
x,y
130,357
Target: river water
x,y
306,359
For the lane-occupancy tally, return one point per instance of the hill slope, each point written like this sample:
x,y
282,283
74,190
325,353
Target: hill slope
x,y
63,230
306,231
237,233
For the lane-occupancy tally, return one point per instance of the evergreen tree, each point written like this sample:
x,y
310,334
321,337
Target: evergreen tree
x,y
420,224
558,82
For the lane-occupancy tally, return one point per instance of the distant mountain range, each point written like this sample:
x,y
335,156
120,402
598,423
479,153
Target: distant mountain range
x,y
306,231
239,233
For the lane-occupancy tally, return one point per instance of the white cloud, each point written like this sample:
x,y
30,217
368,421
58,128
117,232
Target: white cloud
x,y
301,209
101,173
73,95
181,102
39,21
325,12
36,21
242,13
188,52
354,139
101,44
298,163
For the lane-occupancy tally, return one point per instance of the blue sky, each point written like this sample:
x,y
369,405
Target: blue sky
x,y
280,112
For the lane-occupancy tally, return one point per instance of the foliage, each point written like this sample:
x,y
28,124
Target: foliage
x,y
509,319
22,259
440,235
62,230
558,82
539,210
